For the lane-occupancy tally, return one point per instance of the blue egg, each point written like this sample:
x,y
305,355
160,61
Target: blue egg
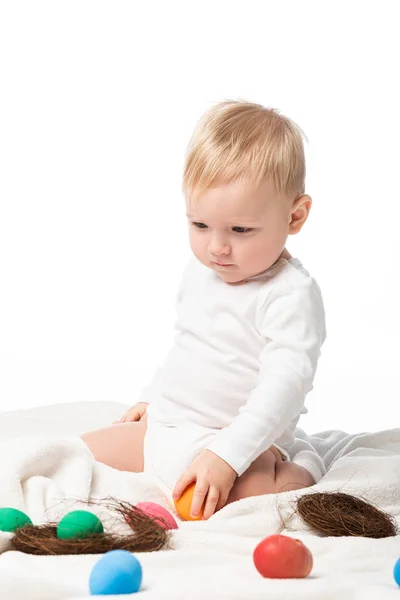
x,y
117,572
396,572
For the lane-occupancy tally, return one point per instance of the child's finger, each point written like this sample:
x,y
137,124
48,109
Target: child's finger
x,y
182,483
222,500
211,502
130,416
199,494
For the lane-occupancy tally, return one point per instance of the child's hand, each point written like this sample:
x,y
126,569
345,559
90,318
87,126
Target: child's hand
x,y
135,413
214,479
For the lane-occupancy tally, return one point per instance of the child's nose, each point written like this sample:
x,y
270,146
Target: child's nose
x,y
218,246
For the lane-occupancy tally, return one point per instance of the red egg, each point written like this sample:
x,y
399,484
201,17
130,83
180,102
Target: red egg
x,y
282,557
154,511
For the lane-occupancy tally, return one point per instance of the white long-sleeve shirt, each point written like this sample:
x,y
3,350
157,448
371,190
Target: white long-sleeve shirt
x,y
243,360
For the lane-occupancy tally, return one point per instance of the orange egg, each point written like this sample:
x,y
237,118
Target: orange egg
x,y
184,503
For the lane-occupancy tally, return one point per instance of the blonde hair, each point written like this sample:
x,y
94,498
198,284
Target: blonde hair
x,y
238,140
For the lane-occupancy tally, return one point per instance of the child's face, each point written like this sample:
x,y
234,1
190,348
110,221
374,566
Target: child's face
x,y
238,230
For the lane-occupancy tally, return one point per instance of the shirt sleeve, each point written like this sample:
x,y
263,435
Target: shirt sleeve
x,y
291,322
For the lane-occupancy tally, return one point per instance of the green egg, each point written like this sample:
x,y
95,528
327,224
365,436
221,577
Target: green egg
x,y
78,524
12,519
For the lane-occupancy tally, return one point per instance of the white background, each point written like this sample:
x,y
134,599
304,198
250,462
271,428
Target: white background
x,y
98,101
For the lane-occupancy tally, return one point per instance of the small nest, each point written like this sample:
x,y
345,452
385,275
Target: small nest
x,y
327,514
338,514
147,536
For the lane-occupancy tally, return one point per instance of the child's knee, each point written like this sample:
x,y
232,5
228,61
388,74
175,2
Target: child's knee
x,y
290,476
253,483
278,476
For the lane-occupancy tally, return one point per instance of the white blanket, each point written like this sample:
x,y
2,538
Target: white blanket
x,y
48,475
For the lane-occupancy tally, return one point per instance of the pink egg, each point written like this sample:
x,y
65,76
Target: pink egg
x,y
154,510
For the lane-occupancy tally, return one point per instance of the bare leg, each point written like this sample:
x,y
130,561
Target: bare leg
x,y
119,446
269,474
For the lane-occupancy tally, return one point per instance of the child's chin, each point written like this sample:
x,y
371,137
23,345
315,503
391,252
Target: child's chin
x,y
231,277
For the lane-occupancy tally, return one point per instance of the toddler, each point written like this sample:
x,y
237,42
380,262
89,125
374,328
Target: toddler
x,y
223,409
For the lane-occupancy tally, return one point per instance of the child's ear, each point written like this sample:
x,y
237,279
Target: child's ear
x,y
299,213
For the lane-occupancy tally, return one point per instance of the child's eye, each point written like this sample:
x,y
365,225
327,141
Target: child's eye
x,y
241,229
200,225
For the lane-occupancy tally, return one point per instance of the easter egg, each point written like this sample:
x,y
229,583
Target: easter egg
x,y
282,557
117,572
159,514
12,519
396,572
78,524
184,503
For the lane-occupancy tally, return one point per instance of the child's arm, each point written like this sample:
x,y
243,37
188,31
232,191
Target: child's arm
x,y
292,323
